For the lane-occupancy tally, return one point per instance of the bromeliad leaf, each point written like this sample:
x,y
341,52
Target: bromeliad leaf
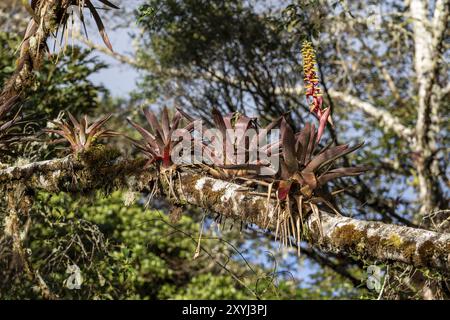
x,y
64,21
288,145
157,144
341,172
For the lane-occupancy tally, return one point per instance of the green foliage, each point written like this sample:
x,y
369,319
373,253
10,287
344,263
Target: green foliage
x,y
133,253
147,15
66,86
199,35
63,84
214,288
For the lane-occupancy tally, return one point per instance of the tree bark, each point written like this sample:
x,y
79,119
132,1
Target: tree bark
x,y
371,240
427,43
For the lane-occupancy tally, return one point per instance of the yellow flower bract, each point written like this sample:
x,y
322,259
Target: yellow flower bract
x,y
309,59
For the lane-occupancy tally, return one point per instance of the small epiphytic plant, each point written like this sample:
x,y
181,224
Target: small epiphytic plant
x,y
313,92
62,12
228,149
81,4
80,134
77,7
158,144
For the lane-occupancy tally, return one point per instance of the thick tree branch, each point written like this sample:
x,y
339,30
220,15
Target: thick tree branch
x,y
363,239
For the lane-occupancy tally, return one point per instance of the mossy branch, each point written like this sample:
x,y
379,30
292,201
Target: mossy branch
x,y
370,240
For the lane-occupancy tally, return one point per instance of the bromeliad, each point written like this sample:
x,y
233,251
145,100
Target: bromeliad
x,y
302,166
303,174
158,144
233,147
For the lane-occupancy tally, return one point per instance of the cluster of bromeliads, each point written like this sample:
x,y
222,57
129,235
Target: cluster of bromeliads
x,y
304,166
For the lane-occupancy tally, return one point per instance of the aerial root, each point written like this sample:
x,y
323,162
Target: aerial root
x,y
289,224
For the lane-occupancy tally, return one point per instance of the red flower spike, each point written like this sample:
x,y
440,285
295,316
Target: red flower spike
x,y
313,92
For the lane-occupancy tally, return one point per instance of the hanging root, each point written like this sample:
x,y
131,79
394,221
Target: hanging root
x,y
315,211
289,225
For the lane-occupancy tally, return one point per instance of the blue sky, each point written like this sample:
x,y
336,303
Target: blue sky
x,y
119,78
